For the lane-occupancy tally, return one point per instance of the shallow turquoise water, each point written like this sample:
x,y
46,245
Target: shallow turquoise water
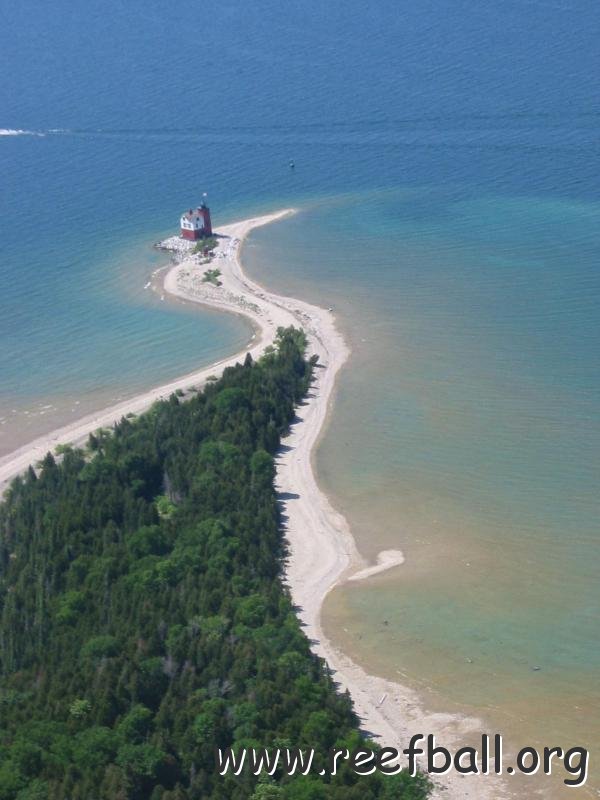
x,y
80,331
467,433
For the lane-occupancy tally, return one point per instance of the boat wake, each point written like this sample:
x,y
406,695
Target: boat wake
x,y
19,132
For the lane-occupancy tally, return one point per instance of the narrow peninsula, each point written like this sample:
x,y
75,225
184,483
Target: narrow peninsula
x,y
148,581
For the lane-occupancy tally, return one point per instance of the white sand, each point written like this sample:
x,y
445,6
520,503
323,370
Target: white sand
x,y
385,560
322,550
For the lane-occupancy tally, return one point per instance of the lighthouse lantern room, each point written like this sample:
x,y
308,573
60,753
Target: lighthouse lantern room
x,y
196,224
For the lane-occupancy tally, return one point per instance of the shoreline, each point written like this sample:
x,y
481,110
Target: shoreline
x,y
322,551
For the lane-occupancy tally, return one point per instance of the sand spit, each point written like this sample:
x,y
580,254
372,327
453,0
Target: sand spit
x,y
322,550
385,560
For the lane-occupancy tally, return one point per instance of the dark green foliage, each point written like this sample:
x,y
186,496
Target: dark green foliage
x,y
208,244
212,276
143,620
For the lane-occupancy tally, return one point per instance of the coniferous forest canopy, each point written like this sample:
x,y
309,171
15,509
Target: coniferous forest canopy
x,y
144,620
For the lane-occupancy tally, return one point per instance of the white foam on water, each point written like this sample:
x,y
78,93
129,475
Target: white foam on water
x,y
19,132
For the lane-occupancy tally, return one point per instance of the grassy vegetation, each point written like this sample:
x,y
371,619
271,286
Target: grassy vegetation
x,y
212,276
206,245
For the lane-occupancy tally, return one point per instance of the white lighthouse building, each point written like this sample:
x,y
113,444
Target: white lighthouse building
x,y
195,223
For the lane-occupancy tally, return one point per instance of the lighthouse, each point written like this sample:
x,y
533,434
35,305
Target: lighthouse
x,y
195,223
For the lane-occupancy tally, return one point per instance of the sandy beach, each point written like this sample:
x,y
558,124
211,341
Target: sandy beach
x,y
322,549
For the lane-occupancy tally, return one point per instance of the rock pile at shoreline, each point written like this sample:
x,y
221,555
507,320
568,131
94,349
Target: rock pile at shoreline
x,y
175,244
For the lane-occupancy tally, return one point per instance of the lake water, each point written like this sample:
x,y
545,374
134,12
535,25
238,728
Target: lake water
x,y
466,432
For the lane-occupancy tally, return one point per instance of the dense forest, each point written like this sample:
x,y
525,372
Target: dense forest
x,y
143,616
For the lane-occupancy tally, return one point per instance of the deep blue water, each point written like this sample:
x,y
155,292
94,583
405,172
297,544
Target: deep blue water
x,y
139,108
453,150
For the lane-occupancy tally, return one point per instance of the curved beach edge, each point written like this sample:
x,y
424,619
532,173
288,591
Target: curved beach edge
x,y
386,559
322,551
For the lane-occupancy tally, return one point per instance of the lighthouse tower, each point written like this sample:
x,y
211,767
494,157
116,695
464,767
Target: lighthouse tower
x,y
195,223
